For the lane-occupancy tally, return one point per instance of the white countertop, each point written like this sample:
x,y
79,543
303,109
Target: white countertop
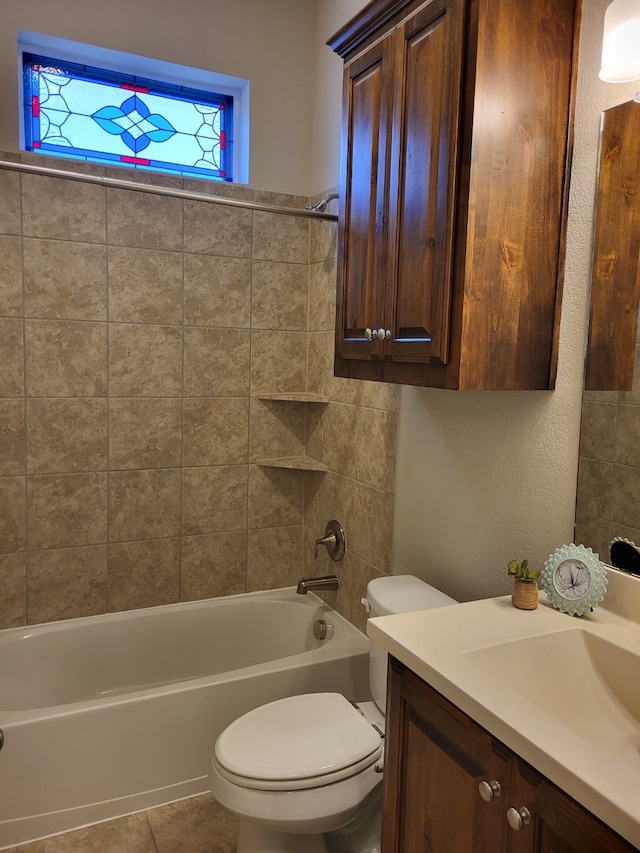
x,y
532,699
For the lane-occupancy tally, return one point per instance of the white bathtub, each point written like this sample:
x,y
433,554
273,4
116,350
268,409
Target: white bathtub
x,y
110,714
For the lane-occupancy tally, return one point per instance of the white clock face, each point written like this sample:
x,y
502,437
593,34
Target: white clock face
x,y
572,579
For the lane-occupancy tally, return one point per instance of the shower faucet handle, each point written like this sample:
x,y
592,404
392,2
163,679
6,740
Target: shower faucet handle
x,y
334,540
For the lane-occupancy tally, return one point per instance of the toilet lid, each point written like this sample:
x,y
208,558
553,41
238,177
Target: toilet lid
x,y
297,738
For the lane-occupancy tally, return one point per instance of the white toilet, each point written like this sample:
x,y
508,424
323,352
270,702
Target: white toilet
x,y
303,766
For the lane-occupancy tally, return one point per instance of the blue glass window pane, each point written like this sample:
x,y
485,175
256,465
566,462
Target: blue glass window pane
x,y
93,114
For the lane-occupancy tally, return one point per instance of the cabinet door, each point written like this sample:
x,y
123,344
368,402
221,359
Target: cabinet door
x,y
558,823
429,51
366,137
436,760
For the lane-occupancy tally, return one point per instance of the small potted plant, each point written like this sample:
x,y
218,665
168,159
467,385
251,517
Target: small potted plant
x,y
525,588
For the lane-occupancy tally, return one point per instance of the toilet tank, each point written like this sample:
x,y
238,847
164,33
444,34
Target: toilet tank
x,y
395,594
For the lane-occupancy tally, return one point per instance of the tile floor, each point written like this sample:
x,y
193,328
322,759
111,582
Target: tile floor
x,y
194,825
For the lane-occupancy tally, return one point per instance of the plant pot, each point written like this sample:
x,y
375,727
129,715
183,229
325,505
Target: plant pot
x,y
525,594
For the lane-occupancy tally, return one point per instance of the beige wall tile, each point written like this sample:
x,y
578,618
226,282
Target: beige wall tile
x,y
12,437
598,430
64,510
594,487
372,541
216,362
64,280
66,359
275,496
12,514
62,209
214,229
144,574
13,601
214,499
329,496
213,565
280,238
278,361
67,435
279,295
627,436
11,358
144,504
375,441
145,432
322,296
144,221
10,274
625,486
145,361
274,557
10,222
217,291
339,437
277,429
323,240
66,583
595,531
216,430
145,286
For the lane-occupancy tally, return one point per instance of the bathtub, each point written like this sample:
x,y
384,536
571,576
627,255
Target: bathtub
x,y
110,714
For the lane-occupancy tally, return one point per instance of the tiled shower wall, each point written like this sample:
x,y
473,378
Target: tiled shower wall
x,y
137,334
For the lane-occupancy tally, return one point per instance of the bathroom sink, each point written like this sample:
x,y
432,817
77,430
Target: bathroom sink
x,y
579,678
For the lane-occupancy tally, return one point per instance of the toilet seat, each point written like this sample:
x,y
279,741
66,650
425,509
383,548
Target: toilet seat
x,y
299,742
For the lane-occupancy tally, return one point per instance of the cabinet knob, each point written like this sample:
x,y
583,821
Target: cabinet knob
x,y
387,334
517,818
381,334
370,334
489,790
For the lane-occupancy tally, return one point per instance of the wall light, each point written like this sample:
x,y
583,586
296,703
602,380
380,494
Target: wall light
x,y
621,42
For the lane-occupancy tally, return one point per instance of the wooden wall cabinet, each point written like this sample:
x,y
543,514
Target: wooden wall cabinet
x,y
437,759
615,273
456,143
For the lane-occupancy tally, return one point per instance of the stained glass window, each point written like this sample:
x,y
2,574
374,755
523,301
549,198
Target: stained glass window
x,y
104,116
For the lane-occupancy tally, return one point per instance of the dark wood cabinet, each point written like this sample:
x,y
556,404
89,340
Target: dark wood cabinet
x,y
456,141
450,787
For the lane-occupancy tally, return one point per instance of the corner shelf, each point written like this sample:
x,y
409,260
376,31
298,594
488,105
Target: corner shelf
x,y
294,463
294,397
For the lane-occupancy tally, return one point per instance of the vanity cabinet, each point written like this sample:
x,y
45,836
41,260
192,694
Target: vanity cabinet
x,y
450,787
456,142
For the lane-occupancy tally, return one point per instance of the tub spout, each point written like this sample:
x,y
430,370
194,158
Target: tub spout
x,y
326,582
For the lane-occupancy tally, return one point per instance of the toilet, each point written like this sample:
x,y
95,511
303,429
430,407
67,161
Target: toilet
x,y
301,772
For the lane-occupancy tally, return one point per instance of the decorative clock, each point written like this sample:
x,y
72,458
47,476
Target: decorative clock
x,y
574,579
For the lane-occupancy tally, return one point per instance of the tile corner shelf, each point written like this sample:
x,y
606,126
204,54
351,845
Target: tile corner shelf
x,y
294,397
295,463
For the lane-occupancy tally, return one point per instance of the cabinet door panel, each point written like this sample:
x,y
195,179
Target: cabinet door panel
x,y
559,824
436,759
423,191
365,160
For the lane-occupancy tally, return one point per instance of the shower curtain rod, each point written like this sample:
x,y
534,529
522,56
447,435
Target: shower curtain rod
x,y
116,183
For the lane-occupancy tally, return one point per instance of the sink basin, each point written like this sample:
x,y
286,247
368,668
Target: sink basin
x,y
577,677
